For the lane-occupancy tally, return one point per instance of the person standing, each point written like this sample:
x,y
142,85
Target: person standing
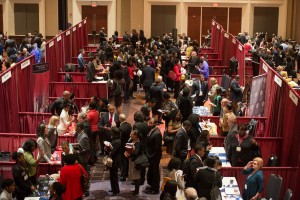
x,y
57,106
93,117
81,60
154,153
64,120
147,79
91,70
204,68
200,90
134,173
115,154
236,93
181,141
125,130
177,70
255,181
185,104
102,36
118,89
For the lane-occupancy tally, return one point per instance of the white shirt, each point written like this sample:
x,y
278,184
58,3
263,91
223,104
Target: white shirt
x,y
5,195
63,122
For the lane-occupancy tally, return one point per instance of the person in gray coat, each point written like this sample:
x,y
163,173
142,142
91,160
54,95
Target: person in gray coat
x,y
147,79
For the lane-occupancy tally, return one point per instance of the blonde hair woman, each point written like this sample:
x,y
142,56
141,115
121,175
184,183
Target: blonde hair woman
x,y
52,132
255,181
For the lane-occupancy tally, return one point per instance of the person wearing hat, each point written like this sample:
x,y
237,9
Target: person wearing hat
x,y
236,93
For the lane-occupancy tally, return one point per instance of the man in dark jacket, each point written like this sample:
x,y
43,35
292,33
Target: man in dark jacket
x,y
185,104
57,105
91,70
125,130
154,153
236,93
200,90
181,141
147,79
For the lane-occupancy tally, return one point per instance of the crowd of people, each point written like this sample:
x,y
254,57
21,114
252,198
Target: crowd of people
x,y
102,129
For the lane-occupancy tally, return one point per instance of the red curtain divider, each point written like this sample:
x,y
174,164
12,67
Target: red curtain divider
x,y
80,102
51,59
85,33
240,56
80,37
67,45
75,48
59,53
80,90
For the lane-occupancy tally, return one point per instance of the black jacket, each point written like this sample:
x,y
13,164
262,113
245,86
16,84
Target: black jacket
x,y
181,144
116,152
153,145
148,76
125,130
195,162
57,106
23,185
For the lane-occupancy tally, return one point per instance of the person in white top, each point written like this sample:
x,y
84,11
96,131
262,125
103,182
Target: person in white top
x,y
64,120
8,187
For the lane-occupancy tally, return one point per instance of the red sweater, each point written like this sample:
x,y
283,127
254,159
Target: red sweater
x,y
70,178
93,117
177,70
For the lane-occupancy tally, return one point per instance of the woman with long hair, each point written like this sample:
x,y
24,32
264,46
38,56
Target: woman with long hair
x,y
52,132
43,143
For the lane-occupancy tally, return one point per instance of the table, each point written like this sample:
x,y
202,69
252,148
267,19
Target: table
x,y
210,126
220,152
230,189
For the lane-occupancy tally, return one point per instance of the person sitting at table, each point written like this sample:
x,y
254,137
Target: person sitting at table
x,y
255,181
24,186
8,187
64,119
52,132
206,177
203,139
43,143
70,178
65,146
91,69
228,113
29,147
56,191
241,147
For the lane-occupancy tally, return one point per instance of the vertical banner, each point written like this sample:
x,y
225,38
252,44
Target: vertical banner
x,y
257,97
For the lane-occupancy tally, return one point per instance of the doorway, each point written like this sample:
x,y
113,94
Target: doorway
x,y
26,18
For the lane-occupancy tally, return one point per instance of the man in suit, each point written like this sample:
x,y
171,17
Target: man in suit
x,y
147,79
57,105
84,146
195,162
194,61
181,141
127,81
236,93
125,130
200,90
102,36
156,91
154,153
106,122
91,70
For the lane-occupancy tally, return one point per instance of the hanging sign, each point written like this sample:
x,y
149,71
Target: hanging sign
x,y
68,33
233,41
278,80
265,67
58,38
293,97
25,64
40,68
218,26
79,25
51,44
240,47
226,35
74,29
6,76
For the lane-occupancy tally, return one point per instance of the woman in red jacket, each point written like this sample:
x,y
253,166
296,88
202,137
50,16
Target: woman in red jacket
x,y
177,70
70,177
93,117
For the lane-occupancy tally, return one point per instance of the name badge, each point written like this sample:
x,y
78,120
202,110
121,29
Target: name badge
x,y
200,93
25,177
238,149
245,186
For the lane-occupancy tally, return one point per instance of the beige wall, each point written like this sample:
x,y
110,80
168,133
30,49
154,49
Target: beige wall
x,y
137,15
51,17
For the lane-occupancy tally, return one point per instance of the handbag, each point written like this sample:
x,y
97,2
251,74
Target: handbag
x,y
215,191
141,162
107,161
172,75
84,181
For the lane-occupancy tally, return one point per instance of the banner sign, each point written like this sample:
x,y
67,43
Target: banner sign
x,y
40,68
6,76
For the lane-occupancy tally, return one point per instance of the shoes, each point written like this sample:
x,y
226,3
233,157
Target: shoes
x,y
134,193
152,192
115,194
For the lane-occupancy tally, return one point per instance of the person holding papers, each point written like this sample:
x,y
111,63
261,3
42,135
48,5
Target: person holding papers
x,y
200,91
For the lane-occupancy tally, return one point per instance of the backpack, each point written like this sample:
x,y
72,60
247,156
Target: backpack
x,y
273,161
68,78
117,91
70,67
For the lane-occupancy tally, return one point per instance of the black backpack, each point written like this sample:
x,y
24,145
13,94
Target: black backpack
x,y
273,161
68,78
70,67
117,91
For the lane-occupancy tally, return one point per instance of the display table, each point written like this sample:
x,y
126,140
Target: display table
x,y
220,152
230,189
